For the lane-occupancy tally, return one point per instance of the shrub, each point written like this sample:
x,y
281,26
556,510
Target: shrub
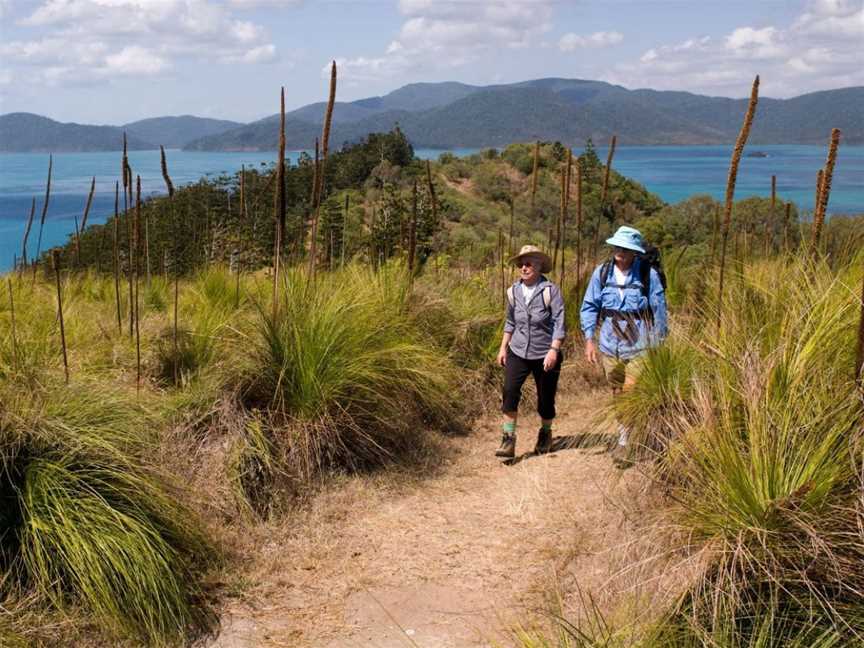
x,y
86,522
335,364
764,425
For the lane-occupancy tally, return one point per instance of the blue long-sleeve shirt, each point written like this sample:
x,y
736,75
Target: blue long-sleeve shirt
x,y
632,301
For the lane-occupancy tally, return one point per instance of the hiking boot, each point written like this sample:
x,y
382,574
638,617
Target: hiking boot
x,y
621,458
544,441
507,449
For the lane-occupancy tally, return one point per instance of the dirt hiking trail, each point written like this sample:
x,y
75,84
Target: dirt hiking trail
x,y
452,560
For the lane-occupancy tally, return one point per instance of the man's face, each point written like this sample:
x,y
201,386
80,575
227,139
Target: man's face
x,y
624,256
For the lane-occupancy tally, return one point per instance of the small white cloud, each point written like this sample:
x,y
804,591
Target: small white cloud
x,y
836,19
571,42
254,4
262,54
650,55
762,43
135,61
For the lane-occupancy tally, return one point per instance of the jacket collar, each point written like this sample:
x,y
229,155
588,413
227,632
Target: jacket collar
x,y
542,282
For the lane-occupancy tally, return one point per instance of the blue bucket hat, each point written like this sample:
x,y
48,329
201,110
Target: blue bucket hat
x,y
628,238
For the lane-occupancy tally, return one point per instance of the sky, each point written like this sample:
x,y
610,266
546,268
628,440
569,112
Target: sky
x,y
116,61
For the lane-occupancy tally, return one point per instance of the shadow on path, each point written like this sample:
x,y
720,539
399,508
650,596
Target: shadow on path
x,y
570,442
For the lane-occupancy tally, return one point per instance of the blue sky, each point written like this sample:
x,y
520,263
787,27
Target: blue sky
x,y
114,61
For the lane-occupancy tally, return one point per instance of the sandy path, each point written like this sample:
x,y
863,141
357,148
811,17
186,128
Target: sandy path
x,y
448,561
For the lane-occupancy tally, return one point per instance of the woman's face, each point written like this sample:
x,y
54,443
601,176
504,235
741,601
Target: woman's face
x,y
529,270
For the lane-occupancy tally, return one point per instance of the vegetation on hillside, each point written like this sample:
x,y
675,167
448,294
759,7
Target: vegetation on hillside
x,y
180,331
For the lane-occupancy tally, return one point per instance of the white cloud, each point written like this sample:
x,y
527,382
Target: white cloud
x,y
262,54
52,50
135,61
254,4
747,42
84,39
571,42
804,56
452,33
832,18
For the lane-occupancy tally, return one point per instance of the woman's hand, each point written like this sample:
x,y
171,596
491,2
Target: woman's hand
x,y
502,356
591,351
550,360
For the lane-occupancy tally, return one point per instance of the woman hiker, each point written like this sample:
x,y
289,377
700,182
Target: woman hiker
x,y
533,334
630,315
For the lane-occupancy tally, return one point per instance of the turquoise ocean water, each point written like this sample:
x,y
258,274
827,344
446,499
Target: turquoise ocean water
x,y
672,172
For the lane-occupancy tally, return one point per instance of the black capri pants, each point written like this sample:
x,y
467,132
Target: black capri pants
x,y
516,371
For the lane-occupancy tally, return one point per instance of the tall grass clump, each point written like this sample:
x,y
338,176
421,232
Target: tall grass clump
x,y
347,378
208,306
763,435
86,524
466,321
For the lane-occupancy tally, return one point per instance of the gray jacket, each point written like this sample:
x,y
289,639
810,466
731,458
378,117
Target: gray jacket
x,y
533,325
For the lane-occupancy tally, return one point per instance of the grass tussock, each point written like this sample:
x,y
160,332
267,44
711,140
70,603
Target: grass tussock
x,y
758,436
87,523
345,375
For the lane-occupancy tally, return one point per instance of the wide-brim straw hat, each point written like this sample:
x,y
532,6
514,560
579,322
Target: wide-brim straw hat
x,y
535,253
628,238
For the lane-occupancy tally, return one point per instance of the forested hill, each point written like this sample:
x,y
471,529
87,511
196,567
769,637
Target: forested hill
x,y
569,110
176,132
451,115
26,132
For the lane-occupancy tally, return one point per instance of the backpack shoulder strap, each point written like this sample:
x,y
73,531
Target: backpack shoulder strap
x,y
547,297
510,298
645,276
604,273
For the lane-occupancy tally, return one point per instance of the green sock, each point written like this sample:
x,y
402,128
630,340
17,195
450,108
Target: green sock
x,y
509,428
546,427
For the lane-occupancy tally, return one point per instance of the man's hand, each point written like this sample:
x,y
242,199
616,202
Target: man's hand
x,y
502,356
591,351
550,360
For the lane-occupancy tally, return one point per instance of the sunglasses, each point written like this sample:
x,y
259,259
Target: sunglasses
x,y
525,264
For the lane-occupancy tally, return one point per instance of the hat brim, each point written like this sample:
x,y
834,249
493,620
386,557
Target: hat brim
x,y
545,260
627,245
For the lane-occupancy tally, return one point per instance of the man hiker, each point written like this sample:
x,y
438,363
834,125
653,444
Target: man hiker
x,y
626,302
533,334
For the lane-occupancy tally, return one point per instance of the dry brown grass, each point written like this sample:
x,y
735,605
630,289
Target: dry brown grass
x,y
44,213
27,233
83,221
730,190
535,173
825,188
859,356
319,171
164,164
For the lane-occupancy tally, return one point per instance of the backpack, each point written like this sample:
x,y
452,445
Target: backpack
x,y
648,261
547,297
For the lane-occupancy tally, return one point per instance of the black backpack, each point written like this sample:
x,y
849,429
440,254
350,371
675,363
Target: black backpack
x,y
649,259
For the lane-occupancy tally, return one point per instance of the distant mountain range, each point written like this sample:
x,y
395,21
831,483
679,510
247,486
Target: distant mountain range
x,y
23,132
448,115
